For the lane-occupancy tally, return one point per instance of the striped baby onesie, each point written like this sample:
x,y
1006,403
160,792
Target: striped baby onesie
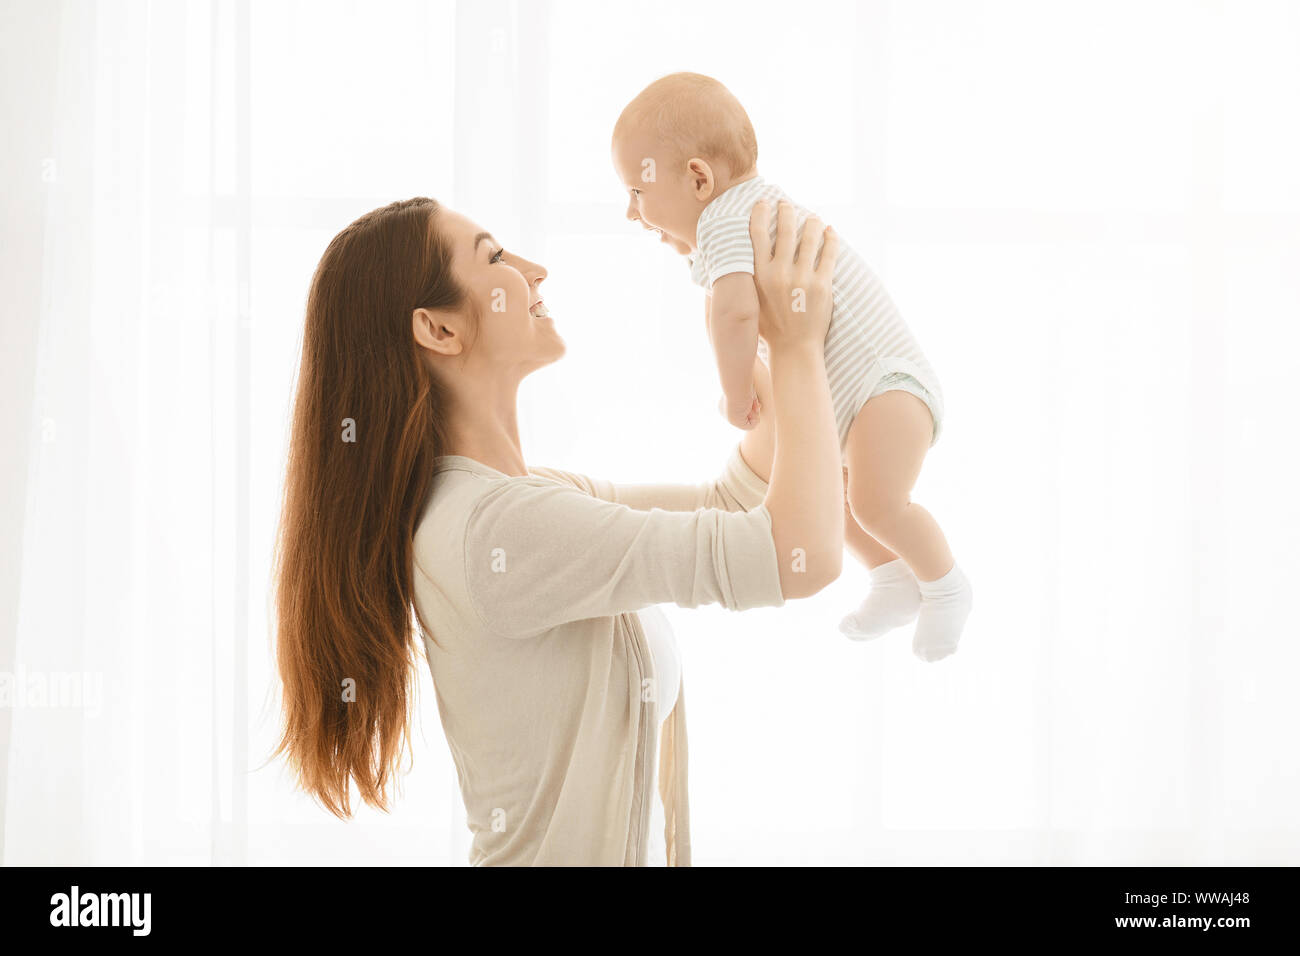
x,y
867,338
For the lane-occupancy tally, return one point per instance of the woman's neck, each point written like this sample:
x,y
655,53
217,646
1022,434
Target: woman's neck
x,y
486,429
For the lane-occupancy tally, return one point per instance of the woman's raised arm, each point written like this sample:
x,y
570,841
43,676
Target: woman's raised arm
x,y
805,495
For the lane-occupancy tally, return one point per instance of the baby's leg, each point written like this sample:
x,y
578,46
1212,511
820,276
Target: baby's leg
x,y
886,446
870,552
894,599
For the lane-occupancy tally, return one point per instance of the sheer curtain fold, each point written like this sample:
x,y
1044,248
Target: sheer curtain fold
x,y
124,517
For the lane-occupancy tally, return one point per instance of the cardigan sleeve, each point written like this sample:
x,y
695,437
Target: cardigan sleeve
x,y
736,489
539,554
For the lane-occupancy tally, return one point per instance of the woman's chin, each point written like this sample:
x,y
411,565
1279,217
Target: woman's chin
x,y
553,351
550,344
559,339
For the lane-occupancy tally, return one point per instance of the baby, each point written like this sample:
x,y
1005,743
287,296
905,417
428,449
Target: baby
x,y
686,152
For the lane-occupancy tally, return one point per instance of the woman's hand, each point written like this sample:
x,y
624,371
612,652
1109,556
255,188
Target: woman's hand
x,y
794,298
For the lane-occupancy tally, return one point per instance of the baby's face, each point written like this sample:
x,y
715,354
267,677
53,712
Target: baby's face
x,y
660,196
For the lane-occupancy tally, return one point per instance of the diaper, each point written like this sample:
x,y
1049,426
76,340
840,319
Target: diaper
x,y
909,383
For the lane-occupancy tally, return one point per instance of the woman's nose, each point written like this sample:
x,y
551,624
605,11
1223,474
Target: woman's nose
x,y
534,272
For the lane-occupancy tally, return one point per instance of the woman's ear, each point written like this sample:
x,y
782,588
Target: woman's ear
x,y
437,331
703,182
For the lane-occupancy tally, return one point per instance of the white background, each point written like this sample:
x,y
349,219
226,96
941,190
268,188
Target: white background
x,y
1089,213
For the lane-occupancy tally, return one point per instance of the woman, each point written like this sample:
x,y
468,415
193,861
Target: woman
x,y
407,490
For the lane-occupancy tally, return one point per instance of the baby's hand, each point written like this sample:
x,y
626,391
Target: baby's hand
x,y
742,417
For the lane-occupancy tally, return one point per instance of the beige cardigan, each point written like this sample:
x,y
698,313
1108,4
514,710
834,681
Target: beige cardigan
x,y
528,587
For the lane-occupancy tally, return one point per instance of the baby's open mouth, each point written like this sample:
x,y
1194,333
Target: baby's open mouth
x,y
538,310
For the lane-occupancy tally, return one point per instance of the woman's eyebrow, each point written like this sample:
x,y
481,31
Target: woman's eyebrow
x,y
481,236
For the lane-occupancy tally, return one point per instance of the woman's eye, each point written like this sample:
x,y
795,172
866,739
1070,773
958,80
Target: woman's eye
x,y
496,256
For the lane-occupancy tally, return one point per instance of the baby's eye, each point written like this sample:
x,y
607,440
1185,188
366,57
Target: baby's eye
x,y
496,256
636,192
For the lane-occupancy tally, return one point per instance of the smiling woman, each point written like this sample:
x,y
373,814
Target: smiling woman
x,y
429,283
497,284
525,583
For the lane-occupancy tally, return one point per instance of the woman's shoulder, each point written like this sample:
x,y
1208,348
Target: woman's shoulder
x,y
595,487
463,488
471,478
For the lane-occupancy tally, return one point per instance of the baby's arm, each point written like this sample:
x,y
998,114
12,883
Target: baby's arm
x,y
733,329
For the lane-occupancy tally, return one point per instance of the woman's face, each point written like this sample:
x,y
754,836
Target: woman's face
x,y
514,332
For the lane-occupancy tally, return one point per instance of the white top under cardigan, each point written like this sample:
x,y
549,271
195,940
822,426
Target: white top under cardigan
x,y
668,676
526,587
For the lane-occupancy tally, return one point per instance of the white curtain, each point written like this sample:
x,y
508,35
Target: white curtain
x,y
1088,212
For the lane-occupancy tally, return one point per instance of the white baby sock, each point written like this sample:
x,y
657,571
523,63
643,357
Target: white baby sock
x,y
893,601
945,605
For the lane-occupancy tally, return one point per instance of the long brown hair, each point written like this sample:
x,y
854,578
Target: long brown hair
x,y
368,421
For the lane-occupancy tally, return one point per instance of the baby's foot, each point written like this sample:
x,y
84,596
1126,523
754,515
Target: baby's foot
x,y
945,605
894,600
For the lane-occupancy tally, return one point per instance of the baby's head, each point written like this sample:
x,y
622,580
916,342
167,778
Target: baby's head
x,y
681,142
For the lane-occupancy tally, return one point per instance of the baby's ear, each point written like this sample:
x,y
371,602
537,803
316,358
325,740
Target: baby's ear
x,y
703,182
